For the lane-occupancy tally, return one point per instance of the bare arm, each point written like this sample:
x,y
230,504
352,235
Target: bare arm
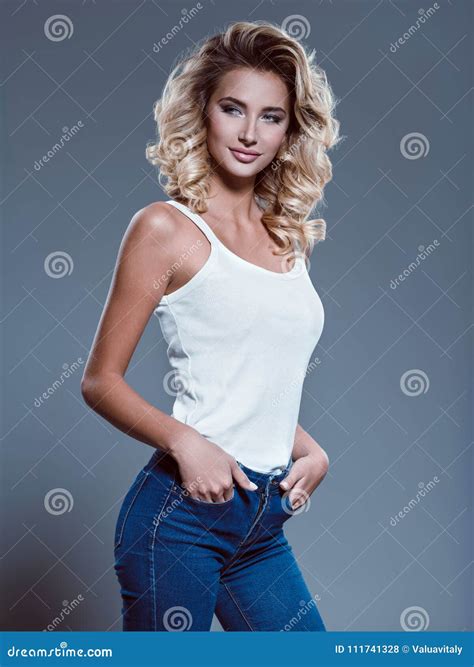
x,y
146,254
310,466
142,258
305,445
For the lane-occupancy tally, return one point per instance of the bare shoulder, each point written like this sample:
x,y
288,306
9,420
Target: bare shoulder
x,y
157,222
158,239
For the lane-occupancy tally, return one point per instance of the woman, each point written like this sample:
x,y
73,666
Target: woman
x,y
243,123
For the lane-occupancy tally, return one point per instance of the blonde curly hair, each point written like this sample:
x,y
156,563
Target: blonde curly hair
x,y
287,189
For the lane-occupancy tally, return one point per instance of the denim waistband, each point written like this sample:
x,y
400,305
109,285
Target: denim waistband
x,y
261,479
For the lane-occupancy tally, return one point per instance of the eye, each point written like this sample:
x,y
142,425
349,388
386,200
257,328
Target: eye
x,y
230,110
272,118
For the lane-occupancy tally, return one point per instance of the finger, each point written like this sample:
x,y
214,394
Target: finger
x,y
290,480
298,496
221,497
229,493
241,478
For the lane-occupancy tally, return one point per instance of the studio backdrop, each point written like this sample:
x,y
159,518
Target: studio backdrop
x,y
385,541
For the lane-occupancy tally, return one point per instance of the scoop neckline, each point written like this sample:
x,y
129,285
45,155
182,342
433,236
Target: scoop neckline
x,y
277,274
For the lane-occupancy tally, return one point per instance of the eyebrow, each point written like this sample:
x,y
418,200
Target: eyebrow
x,y
242,104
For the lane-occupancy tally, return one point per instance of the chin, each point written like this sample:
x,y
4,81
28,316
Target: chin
x,y
240,169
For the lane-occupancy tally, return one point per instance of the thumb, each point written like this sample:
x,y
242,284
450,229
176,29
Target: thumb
x,y
290,480
241,478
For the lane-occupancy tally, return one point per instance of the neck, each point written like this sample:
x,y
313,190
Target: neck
x,y
232,196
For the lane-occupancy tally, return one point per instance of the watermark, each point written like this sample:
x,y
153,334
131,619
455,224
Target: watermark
x,y
304,608
414,382
186,16
58,501
68,371
58,264
423,253
295,501
423,491
414,619
177,619
163,279
177,145
296,26
67,134
414,145
423,16
295,384
58,27
184,492
289,153
300,263
61,651
67,608
176,383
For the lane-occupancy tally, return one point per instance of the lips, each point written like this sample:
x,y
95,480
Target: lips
x,y
243,155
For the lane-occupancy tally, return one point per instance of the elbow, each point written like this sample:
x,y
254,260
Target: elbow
x,y
95,387
85,390
89,389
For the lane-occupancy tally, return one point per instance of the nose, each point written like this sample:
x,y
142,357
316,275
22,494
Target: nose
x,y
248,133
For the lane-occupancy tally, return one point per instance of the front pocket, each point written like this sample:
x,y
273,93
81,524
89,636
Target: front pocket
x,y
281,505
127,505
182,493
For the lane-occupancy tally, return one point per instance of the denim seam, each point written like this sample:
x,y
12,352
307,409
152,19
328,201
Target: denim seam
x,y
156,523
235,601
258,515
130,505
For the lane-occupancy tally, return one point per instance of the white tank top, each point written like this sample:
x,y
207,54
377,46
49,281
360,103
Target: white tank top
x,y
239,341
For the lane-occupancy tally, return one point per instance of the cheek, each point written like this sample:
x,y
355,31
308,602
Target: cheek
x,y
217,129
272,139
276,136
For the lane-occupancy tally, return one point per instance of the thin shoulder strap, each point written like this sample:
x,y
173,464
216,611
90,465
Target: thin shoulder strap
x,y
202,224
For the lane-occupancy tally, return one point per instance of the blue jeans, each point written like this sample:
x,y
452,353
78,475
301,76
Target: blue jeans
x,y
179,560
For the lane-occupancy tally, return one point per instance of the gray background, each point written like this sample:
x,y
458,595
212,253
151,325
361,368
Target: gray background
x,y
383,443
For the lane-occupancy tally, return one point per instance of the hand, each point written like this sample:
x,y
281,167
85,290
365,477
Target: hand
x,y
207,472
306,473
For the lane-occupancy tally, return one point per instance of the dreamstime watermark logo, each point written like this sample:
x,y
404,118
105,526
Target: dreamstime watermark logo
x,y
67,372
58,501
61,651
58,264
414,145
67,608
178,145
67,134
423,490
289,152
177,619
58,27
177,264
176,383
414,382
293,496
414,619
183,493
295,384
304,608
297,26
300,263
423,253
423,16
186,16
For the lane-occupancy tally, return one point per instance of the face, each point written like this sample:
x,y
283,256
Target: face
x,y
247,119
